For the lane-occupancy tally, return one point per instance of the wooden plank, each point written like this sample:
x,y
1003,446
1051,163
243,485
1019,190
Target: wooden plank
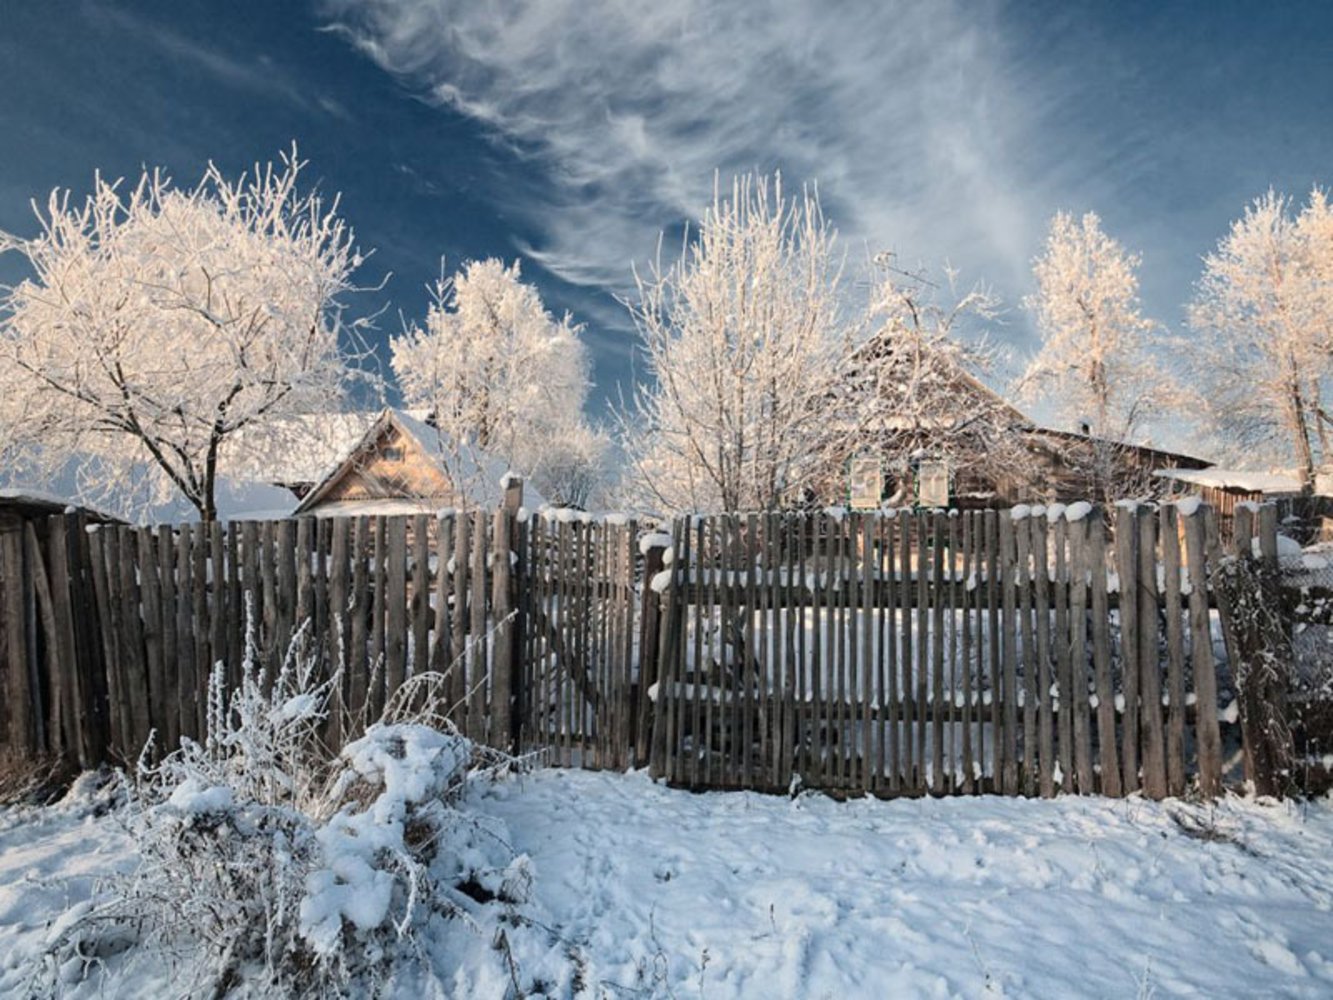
x,y
132,649
203,659
1007,743
165,551
750,670
966,604
458,671
325,628
396,604
1041,601
64,670
358,658
1069,694
303,615
1080,570
285,623
441,640
796,534
339,624
922,667
1150,677
235,641
419,615
48,682
267,602
187,686
91,656
1027,656
502,683
159,707
1127,569
220,610
938,526
479,676
690,562
895,634
377,693
867,749
1208,738
995,646
106,636
560,544
1175,651
652,610
841,619
954,606
786,657
1101,657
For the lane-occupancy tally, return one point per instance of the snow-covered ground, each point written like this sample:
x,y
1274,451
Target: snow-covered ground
x,y
642,891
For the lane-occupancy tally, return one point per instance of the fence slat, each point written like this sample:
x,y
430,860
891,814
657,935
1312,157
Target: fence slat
x,y
1027,656
1175,651
1068,696
1127,570
1042,610
1101,657
1150,678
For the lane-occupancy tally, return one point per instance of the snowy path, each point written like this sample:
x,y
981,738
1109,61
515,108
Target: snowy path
x,y
643,891
739,895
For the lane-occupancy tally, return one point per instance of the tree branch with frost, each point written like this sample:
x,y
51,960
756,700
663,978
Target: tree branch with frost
x,y
1099,364
159,320
1262,313
742,336
503,377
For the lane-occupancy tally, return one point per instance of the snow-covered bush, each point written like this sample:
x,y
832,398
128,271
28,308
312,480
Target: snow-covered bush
x,y
272,866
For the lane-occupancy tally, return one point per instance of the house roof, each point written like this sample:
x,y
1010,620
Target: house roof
x,y
299,450
476,476
1157,455
29,503
1240,480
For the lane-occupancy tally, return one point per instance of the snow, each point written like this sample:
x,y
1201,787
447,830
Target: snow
x,y
1234,479
1189,506
1078,511
193,799
654,540
641,890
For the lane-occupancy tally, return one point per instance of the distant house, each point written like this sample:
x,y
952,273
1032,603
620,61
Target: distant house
x,y
958,430
297,453
401,464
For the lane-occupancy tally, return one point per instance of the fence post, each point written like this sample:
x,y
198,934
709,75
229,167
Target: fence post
x,y
650,632
502,605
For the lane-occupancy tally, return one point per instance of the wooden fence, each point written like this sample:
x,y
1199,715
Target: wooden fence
x,y
112,631
929,653
907,654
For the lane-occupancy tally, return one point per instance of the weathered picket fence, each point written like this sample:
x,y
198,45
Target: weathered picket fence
x,y
891,653
934,653
112,631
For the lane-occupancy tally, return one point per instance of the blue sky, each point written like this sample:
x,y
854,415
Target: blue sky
x,y
571,132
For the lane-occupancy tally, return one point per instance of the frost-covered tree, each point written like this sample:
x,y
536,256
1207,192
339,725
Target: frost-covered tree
x,y
159,321
1096,366
1263,323
742,340
500,373
912,388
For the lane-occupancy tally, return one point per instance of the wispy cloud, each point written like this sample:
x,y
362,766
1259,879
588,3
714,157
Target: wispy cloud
x,y
253,74
904,113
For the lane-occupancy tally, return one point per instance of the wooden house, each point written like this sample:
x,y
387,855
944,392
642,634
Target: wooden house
x,y
934,419
404,465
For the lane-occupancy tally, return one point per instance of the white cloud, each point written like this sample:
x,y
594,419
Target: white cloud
x,y
904,113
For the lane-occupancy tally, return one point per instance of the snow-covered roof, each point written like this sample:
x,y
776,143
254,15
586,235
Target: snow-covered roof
x,y
302,449
477,477
1234,479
